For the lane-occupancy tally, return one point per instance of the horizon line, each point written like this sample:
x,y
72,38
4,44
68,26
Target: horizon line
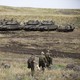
x,y
36,7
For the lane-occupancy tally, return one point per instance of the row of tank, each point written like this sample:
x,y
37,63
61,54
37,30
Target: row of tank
x,y
34,25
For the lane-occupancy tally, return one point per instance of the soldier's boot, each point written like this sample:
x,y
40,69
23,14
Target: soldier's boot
x,y
43,69
32,73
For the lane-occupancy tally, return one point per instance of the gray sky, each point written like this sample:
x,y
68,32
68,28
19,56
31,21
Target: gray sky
x,y
73,4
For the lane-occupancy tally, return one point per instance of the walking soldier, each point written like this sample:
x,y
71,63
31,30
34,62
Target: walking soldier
x,y
30,63
48,58
42,61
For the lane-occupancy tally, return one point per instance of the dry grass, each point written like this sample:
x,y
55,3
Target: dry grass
x,y
61,16
19,70
21,41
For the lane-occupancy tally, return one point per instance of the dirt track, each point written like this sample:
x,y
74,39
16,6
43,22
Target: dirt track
x,y
61,44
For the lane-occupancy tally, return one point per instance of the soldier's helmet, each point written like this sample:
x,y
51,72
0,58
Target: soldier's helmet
x,y
42,53
48,50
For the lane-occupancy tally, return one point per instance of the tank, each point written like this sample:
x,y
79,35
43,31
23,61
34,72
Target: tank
x,y
31,25
65,28
10,25
47,26
1,25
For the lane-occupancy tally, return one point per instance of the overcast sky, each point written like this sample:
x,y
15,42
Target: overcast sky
x,y
73,4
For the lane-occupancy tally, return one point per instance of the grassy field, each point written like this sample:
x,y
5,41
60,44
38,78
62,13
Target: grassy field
x,y
60,16
18,68
16,46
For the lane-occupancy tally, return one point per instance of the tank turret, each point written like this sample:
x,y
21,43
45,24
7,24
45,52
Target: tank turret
x,y
47,26
10,25
31,25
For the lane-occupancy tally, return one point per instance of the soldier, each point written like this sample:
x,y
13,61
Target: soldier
x,y
30,63
48,58
42,61
4,21
12,20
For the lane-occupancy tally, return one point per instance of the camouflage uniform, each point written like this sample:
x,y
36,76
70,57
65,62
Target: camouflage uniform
x,y
42,61
49,59
30,63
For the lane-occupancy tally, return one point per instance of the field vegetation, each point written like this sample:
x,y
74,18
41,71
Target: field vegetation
x,y
60,16
18,68
16,46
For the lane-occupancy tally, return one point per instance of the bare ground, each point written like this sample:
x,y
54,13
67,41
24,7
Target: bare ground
x,y
61,44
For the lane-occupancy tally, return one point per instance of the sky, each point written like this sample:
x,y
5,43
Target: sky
x,y
72,4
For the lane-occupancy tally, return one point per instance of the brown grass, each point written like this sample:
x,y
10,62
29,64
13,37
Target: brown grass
x,y
60,16
19,70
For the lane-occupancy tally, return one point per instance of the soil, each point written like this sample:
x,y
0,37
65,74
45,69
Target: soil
x,y
61,44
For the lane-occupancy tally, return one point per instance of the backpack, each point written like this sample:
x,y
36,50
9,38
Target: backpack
x,y
29,63
41,61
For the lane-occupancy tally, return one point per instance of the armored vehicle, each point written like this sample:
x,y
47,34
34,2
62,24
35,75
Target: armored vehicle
x,y
47,26
1,25
65,28
31,25
10,25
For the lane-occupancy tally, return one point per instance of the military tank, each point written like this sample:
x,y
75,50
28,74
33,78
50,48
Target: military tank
x,y
65,28
1,25
47,26
10,25
31,25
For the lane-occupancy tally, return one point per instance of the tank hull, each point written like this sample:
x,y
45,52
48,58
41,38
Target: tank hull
x,y
10,27
47,28
65,29
31,27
